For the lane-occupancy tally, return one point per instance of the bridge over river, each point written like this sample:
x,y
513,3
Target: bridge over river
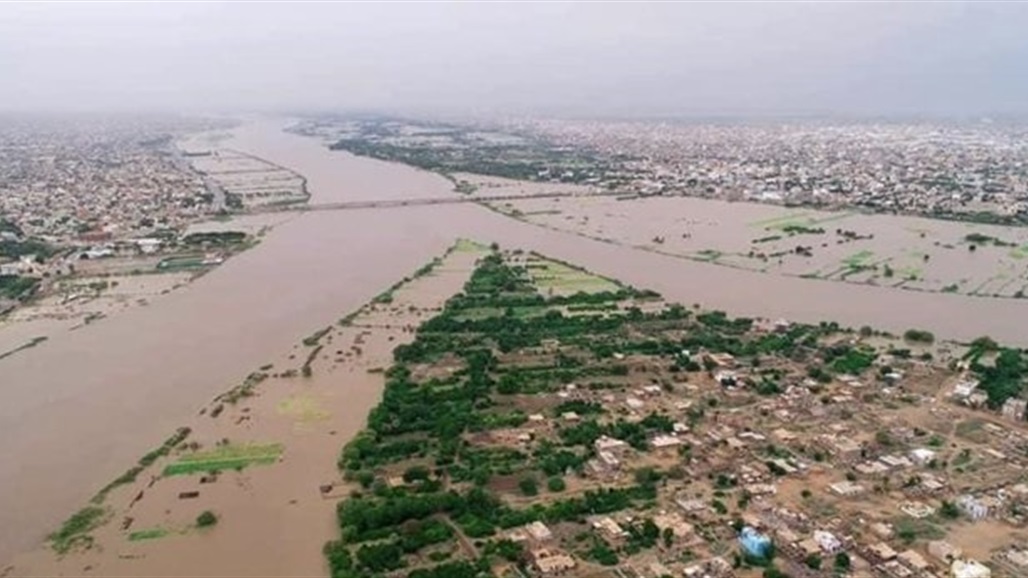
x,y
411,202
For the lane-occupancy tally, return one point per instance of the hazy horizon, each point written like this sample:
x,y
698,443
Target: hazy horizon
x,y
561,59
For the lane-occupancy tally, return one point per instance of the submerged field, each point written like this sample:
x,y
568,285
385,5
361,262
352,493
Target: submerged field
x,y
892,251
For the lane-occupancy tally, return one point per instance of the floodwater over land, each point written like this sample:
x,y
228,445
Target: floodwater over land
x,y
79,407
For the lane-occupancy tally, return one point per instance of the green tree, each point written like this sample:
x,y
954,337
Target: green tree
x,y
842,562
949,510
602,553
529,486
556,484
340,563
919,336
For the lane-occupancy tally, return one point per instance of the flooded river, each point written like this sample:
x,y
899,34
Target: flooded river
x,y
78,409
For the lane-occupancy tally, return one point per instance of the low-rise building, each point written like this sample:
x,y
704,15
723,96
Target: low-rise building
x,y
913,560
1014,409
880,552
609,529
847,489
550,561
675,523
943,551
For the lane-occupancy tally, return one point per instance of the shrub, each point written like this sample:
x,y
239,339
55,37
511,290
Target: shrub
x,y
206,519
919,336
529,486
556,484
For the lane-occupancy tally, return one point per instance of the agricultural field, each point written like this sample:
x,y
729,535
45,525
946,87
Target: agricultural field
x,y
227,456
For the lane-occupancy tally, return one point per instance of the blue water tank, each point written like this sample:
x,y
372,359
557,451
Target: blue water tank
x,y
754,543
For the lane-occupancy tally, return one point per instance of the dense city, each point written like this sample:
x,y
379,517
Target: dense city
x,y
98,196
975,171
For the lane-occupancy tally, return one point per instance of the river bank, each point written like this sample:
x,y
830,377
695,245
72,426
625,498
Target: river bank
x,y
260,457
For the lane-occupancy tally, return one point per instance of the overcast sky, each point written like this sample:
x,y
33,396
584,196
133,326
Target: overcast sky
x,y
551,58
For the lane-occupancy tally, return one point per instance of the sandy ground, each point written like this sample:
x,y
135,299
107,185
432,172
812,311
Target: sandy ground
x,y
273,519
891,251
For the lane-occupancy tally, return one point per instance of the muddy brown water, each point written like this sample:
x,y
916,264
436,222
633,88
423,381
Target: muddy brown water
x,y
77,410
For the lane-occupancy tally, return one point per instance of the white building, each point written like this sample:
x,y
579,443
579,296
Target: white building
x,y
965,388
827,541
970,569
972,507
922,456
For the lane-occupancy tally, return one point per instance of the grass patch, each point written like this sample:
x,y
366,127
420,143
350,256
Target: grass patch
x,y
708,255
1019,253
148,534
798,222
911,273
782,220
972,429
74,532
468,246
304,408
226,457
910,530
551,276
858,259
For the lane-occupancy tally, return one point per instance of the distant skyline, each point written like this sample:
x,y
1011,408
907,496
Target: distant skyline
x,y
555,59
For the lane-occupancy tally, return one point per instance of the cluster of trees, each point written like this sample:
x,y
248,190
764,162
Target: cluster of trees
x,y
427,420
214,238
476,511
9,226
13,249
848,359
980,239
636,434
1003,379
523,159
372,560
919,336
14,286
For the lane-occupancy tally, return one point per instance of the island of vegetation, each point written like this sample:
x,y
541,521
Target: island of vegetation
x,y
528,432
